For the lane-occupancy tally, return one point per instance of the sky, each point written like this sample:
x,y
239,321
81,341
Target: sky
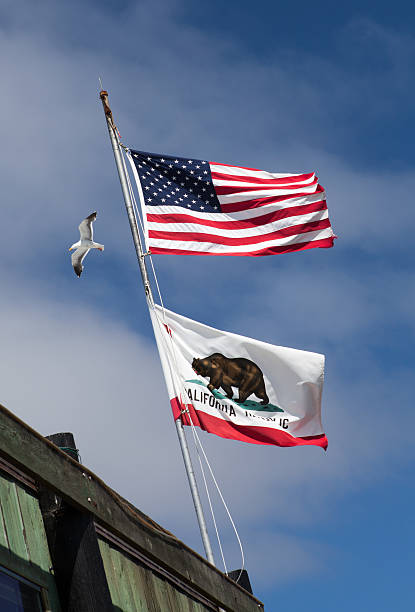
x,y
285,87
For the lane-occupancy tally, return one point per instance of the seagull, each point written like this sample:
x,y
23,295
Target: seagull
x,y
85,244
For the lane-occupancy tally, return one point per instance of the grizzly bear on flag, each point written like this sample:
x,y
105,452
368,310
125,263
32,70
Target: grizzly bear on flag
x,y
239,372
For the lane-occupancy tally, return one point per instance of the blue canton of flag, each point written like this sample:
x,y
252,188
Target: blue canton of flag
x,y
168,181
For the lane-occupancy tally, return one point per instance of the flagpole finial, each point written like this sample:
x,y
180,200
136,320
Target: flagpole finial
x,y
100,84
107,110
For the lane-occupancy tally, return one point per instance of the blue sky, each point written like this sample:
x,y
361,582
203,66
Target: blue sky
x,y
284,87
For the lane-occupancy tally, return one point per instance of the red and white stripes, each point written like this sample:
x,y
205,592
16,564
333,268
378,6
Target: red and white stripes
x,y
261,213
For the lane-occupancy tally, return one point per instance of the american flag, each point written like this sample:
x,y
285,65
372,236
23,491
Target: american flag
x,y
196,207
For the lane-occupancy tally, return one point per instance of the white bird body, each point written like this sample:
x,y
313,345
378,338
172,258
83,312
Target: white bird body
x,y
85,244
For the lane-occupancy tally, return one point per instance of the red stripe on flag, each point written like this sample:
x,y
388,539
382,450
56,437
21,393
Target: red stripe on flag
x,y
288,180
324,243
258,202
293,230
212,163
293,211
230,189
243,433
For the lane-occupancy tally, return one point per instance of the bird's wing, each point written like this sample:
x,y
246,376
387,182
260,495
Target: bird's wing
x,y
85,227
77,258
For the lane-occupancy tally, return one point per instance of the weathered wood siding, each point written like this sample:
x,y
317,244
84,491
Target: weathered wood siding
x,y
134,588
23,544
145,566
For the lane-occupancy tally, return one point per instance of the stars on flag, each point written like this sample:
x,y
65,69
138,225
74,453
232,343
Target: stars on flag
x,y
187,180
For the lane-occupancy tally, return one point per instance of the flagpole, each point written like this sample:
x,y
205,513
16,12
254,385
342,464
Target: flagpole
x,y
112,130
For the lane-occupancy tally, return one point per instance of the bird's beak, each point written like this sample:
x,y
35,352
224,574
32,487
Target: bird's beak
x,y
70,248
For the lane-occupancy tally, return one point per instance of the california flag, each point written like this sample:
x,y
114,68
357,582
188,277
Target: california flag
x,y
237,387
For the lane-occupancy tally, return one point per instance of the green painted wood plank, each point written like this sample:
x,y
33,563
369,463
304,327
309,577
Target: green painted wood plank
x,y
188,604
36,541
26,545
196,606
3,535
13,519
176,599
135,588
136,578
127,599
161,594
149,589
183,602
134,583
110,573
135,575
126,596
180,601
35,535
